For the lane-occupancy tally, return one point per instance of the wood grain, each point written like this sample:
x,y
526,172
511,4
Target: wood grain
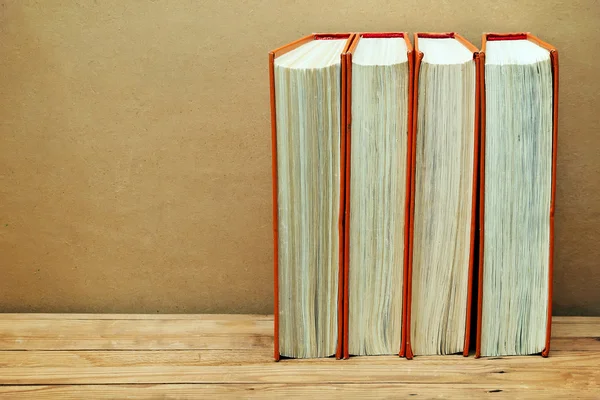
x,y
127,358
129,317
170,332
559,344
122,334
576,327
578,368
277,391
116,356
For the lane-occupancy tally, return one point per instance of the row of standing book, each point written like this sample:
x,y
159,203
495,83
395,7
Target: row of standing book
x,y
413,193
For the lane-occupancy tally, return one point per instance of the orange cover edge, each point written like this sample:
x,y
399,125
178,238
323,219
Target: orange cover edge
x,y
276,355
476,133
406,343
409,163
342,278
348,65
272,55
554,64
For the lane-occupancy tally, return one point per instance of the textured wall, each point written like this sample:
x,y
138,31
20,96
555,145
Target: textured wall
x,y
135,144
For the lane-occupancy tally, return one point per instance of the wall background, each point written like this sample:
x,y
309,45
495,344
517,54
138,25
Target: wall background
x,y
135,144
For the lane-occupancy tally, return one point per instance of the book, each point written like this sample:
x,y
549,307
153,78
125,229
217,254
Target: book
x,y
443,199
379,97
308,139
518,180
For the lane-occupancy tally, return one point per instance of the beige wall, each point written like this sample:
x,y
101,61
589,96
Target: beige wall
x,y
135,144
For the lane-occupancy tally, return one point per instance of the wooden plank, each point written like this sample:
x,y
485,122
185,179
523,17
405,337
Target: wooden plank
x,y
276,391
575,329
140,332
576,320
62,317
573,368
229,317
574,344
77,328
230,357
109,358
169,358
152,334
124,358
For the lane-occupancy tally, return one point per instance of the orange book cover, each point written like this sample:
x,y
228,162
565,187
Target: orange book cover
x,y
554,64
348,118
406,345
272,55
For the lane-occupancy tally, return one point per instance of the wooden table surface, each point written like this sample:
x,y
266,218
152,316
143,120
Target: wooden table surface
x,y
75,356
